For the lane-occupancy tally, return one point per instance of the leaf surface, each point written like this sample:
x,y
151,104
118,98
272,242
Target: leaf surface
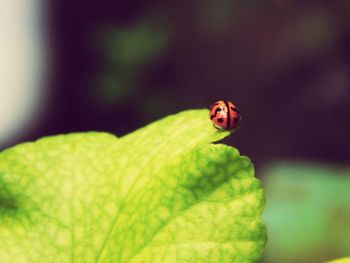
x,y
340,260
163,193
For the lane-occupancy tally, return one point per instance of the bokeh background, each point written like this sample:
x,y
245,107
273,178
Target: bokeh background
x,y
115,66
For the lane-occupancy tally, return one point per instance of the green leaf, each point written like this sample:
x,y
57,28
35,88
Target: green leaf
x,y
308,212
164,193
340,260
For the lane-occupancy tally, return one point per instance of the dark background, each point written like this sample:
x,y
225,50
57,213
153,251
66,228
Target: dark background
x,y
118,65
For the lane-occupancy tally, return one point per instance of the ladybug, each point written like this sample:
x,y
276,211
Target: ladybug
x,y
225,115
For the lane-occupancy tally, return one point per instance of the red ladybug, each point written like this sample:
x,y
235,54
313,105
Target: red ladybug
x,y
225,115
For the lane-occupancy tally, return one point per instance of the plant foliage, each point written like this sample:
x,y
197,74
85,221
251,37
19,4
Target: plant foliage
x,y
163,193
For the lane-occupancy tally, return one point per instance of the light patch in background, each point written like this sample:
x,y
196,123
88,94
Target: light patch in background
x,y
20,66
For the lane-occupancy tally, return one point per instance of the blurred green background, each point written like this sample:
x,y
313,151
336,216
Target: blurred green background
x,y
118,65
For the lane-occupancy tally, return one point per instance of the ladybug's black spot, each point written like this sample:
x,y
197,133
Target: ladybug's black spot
x,y
234,109
217,110
220,120
215,113
235,120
